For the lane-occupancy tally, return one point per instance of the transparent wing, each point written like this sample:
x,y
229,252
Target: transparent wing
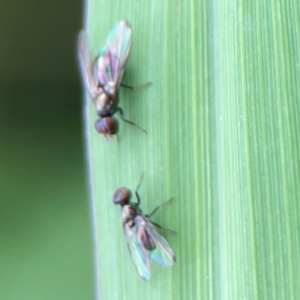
x,y
109,65
163,253
138,253
85,61
119,43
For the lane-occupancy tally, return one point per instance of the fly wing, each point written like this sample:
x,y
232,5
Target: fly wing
x,y
163,252
85,61
119,43
138,253
110,64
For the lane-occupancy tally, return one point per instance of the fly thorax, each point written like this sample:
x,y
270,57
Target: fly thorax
x,y
128,215
101,103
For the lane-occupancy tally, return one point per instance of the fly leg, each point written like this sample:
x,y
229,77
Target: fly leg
x,y
136,87
154,211
163,228
120,110
157,207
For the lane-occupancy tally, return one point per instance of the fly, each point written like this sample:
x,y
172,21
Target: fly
x,y
102,75
142,236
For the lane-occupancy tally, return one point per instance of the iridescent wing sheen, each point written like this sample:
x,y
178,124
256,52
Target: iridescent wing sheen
x,y
163,253
85,61
138,253
109,65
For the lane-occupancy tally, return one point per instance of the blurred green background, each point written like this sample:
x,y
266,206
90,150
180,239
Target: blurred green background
x,y
45,230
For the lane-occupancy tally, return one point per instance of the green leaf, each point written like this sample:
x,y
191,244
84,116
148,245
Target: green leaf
x,y
223,128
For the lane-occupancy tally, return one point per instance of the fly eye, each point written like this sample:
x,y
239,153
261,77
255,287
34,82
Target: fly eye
x,y
107,126
122,196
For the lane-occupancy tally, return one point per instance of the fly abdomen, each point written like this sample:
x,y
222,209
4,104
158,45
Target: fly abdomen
x,y
143,234
146,239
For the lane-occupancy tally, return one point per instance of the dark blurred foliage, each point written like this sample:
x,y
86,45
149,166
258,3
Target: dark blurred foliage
x,y
45,227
